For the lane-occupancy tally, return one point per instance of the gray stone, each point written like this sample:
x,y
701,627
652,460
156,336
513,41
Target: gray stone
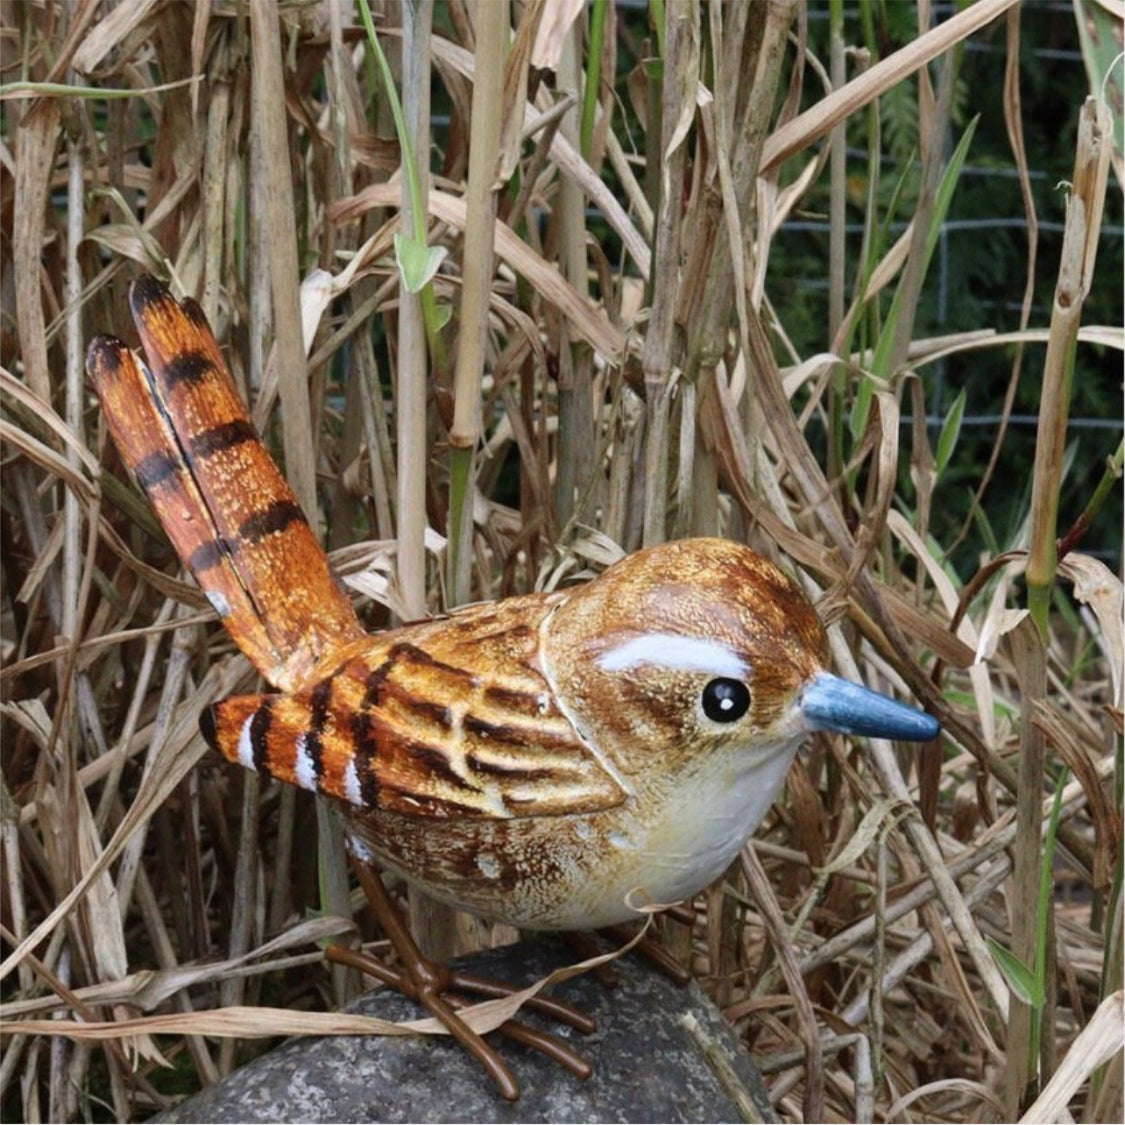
x,y
661,1053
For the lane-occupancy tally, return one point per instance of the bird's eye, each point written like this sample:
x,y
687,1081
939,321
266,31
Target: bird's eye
x,y
725,701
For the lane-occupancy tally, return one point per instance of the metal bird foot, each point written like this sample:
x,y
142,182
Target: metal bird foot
x,y
437,988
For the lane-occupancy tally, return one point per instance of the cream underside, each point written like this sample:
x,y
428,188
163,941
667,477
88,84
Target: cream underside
x,y
686,849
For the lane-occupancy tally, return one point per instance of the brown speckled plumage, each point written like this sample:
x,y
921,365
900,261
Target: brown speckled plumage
x,y
551,760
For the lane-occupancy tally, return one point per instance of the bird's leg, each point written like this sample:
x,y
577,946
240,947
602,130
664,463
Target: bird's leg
x,y
650,947
661,947
585,945
654,951
432,986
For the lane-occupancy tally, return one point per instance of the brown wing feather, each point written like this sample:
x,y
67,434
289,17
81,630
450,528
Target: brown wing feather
x,y
233,520
449,719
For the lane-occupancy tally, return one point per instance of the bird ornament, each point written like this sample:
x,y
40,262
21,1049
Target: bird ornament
x,y
554,761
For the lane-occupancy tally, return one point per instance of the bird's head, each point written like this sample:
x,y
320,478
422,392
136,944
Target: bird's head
x,y
699,646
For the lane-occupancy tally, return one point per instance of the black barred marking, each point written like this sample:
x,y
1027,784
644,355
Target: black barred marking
x,y
318,718
226,436
207,727
522,702
319,699
195,313
103,355
373,685
513,802
209,555
366,752
415,655
188,367
501,732
437,763
382,688
438,713
145,291
520,631
509,735
276,517
259,735
152,471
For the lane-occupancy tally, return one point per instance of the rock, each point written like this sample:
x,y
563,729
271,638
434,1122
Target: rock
x,y
651,1056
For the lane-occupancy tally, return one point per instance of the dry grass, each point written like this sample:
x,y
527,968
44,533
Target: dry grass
x,y
600,384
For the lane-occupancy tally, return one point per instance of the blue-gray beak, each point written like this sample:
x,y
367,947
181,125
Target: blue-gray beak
x,y
829,703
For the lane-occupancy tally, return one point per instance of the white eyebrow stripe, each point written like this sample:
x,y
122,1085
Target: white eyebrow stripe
x,y
669,650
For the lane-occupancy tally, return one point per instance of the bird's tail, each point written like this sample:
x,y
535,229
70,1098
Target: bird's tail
x,y
184,432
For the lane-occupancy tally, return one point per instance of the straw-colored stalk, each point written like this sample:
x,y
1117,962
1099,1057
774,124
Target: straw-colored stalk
x,y
1083,223
476,284
411,367
680,76
273,190
1076,271
576,438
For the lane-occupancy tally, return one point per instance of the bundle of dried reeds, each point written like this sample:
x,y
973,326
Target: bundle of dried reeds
x,y
497,341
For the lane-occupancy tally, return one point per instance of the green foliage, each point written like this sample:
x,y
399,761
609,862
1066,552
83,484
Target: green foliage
x,y
417,263
977,278
950,431
1020,979
900,121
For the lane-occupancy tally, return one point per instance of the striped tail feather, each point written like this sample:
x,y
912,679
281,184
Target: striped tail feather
x,y
184,432
279,736
303,740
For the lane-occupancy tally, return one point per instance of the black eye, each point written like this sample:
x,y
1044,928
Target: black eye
x,y
725,701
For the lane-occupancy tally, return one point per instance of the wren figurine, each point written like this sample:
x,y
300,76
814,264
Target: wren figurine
x,y
553,761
